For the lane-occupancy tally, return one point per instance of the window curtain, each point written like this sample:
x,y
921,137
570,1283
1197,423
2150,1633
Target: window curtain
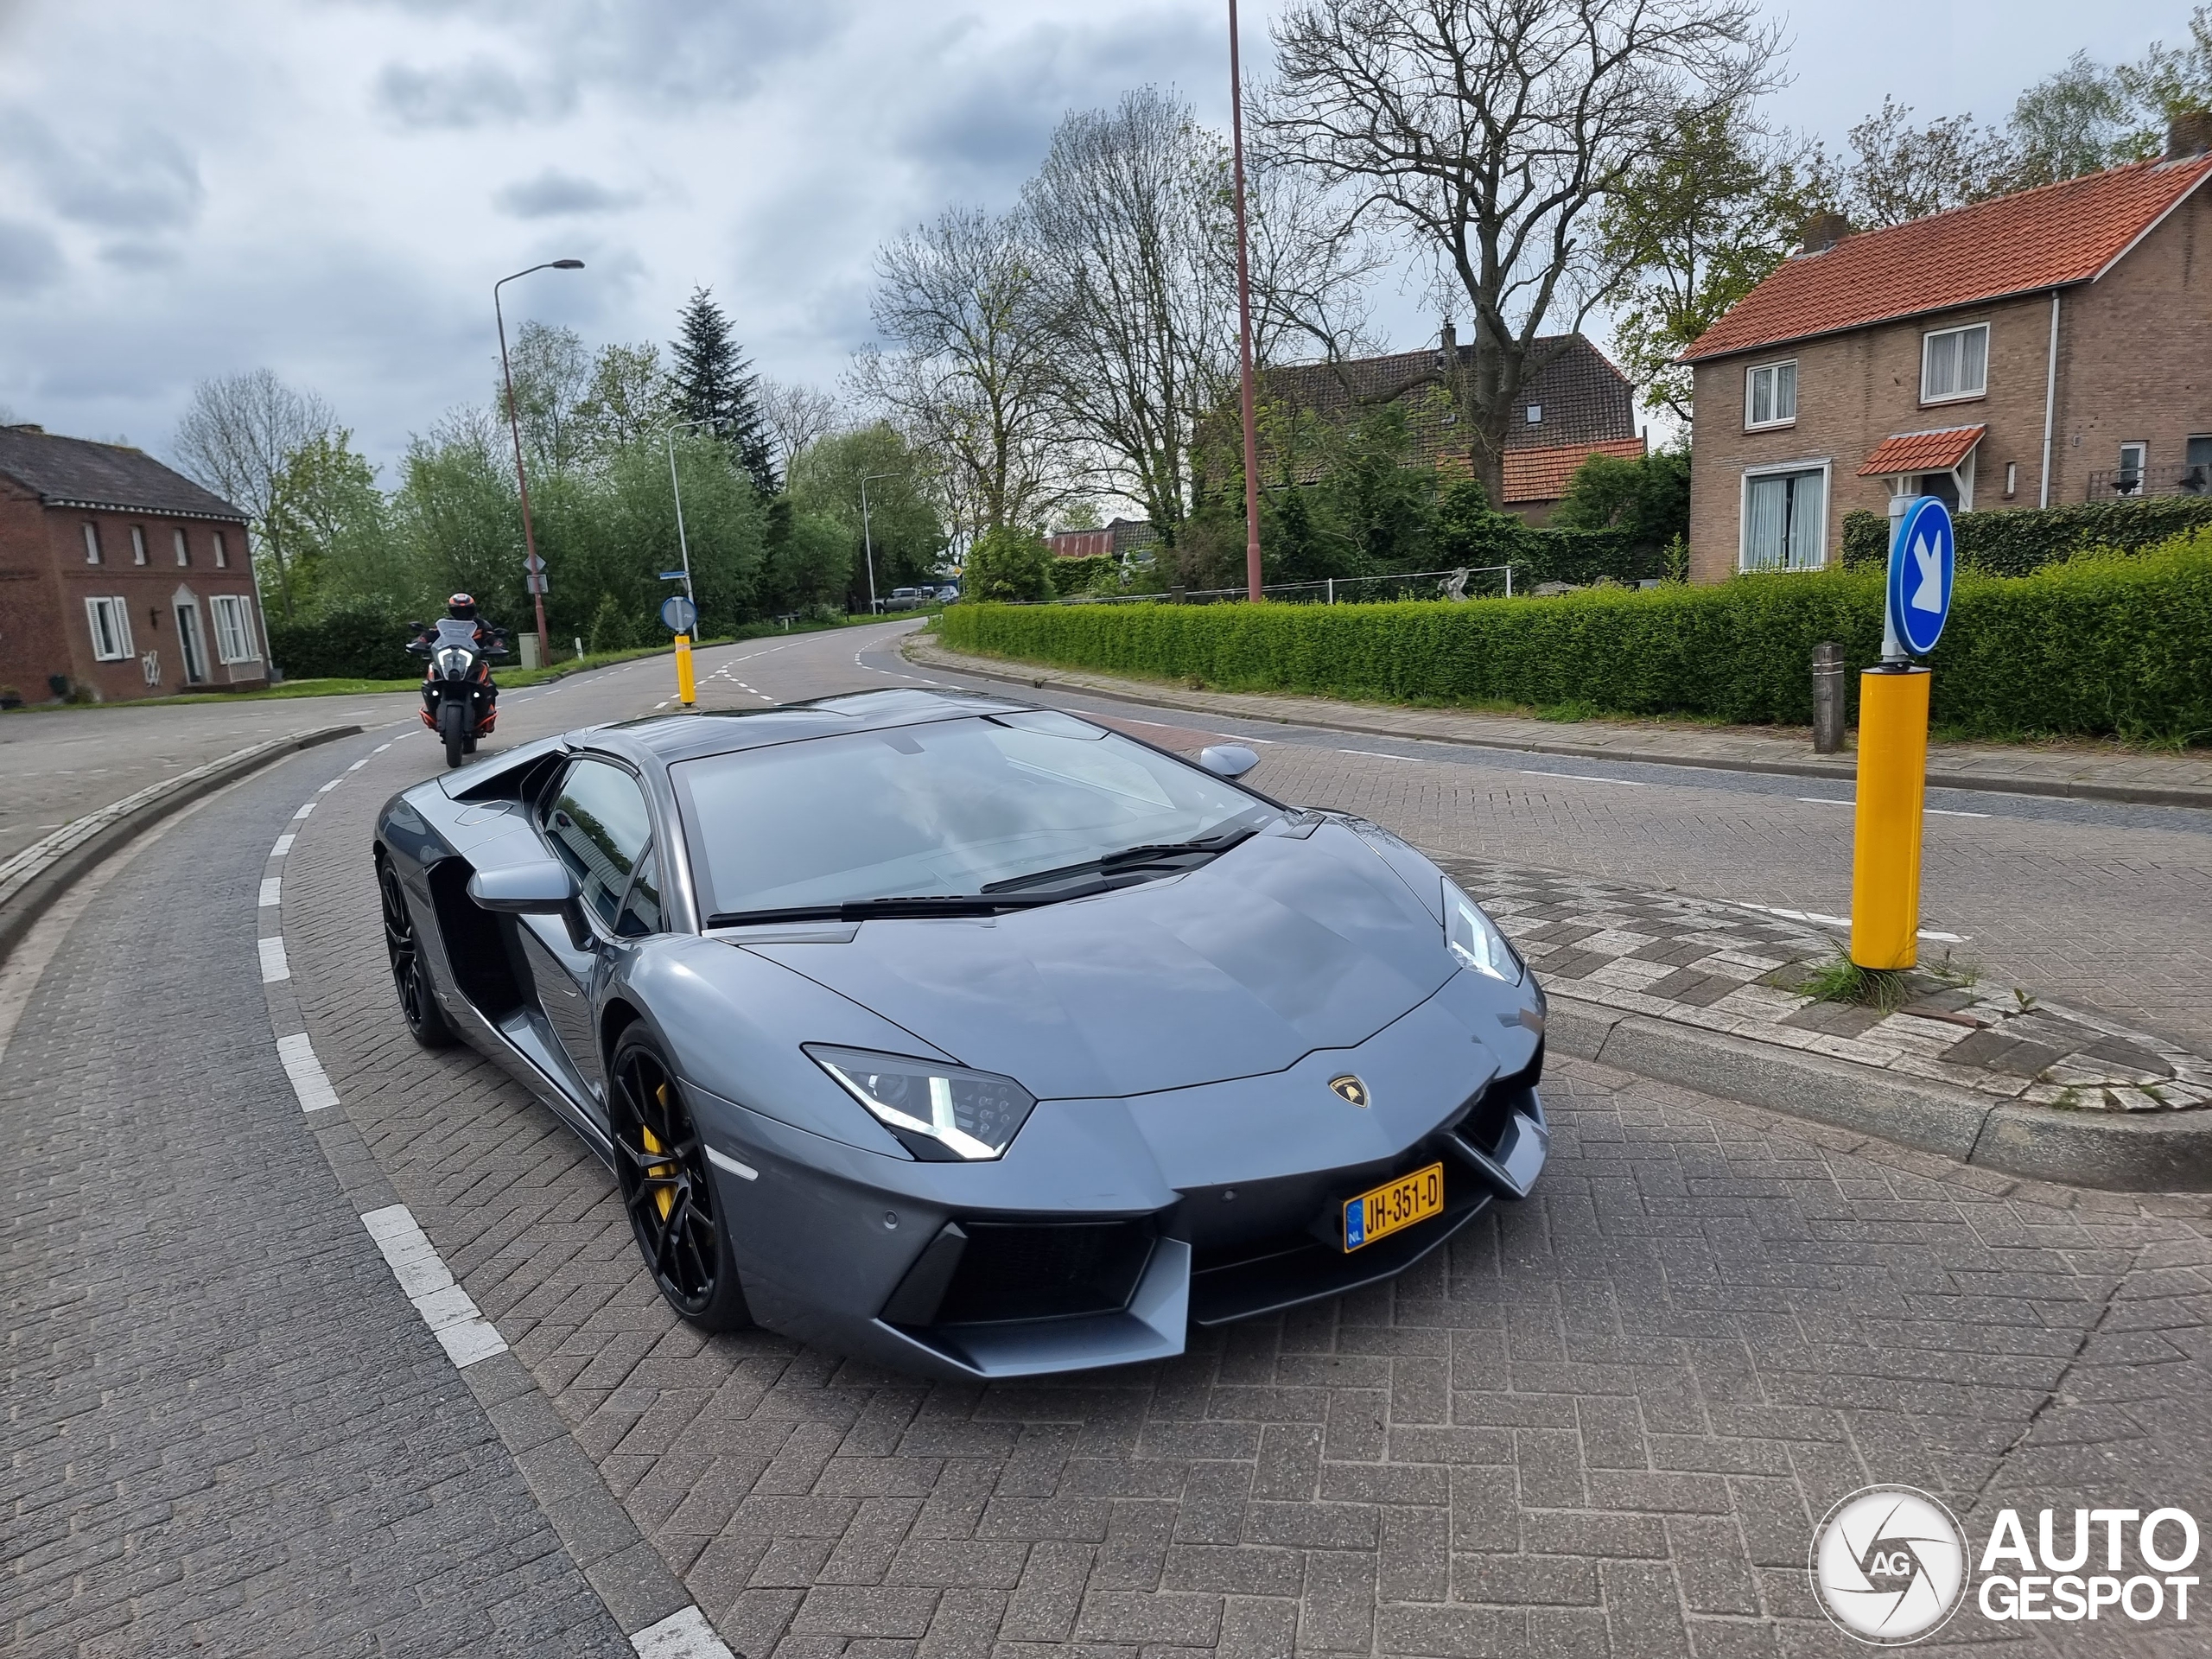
x,y
1766,513
1806,518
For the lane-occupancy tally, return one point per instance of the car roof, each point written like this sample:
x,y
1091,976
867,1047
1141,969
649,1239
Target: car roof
x,y
671,738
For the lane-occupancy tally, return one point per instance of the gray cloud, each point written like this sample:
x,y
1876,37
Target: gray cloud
x,y
140,180
553,194
477,93
29,259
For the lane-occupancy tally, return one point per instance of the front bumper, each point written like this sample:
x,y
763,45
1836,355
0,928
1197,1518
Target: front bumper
x,y
1111,1226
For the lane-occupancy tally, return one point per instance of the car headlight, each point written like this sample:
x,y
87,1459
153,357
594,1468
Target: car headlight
x,y
945,1113
1474,938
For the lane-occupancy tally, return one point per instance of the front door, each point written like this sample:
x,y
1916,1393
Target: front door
x,y
189,646
597,823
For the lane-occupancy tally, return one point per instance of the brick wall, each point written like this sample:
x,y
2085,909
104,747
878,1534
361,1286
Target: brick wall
x,y
2135,362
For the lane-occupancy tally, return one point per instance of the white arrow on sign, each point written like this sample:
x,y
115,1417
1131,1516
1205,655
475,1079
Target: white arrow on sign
x,y
1928,593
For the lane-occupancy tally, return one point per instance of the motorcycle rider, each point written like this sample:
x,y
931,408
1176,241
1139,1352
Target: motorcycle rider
x,y
461,608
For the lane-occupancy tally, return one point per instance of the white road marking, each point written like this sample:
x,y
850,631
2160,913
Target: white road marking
x,y
1949,812
331,785
1824,800
382,747
466,1334
273,965
723,1160
309,1081
1377,754
684,1634
1841,921
1937,811
1584,778
358,764
271,886
283,846
304,810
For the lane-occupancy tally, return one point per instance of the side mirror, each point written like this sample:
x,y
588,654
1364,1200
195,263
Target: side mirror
x,y
1228,759
541,888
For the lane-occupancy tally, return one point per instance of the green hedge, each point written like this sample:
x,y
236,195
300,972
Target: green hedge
x,y
2017,541
2091,646
1077,576
349,642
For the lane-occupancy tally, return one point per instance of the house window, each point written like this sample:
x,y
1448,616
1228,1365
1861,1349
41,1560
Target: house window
x,y
2012,479
2133,459
138,545
233,627
1786,519
2196,468
1770,395
111,624
1535,414
183,546
222,552
1955,363
92,542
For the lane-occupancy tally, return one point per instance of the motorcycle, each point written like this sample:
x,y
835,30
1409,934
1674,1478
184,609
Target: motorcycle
x,y
458,700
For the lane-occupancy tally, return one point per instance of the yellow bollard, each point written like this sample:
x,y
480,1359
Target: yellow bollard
x,y
686,690
1885,836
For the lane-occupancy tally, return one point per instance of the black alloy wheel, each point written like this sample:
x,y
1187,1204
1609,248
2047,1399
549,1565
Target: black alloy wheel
x,y
426,1021
668,1190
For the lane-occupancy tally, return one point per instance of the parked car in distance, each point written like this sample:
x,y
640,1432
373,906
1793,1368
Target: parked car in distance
x,y
906,599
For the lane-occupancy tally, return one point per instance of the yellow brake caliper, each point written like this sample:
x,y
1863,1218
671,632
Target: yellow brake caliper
x,y
666,1197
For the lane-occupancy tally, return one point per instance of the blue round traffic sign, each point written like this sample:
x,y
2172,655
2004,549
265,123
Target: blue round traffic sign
x,y
678,613
1922,562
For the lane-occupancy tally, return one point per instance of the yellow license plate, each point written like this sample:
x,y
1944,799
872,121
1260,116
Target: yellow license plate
x,y
1392,1205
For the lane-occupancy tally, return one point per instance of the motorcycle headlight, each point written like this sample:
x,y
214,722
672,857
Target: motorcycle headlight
x,y
1474,938
943,1113
453,663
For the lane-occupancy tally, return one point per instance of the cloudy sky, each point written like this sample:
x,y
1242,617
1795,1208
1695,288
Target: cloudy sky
x,y
328,187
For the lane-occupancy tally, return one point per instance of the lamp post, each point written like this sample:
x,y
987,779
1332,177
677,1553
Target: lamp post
x,y
685,687
1245,322
868,540
531,564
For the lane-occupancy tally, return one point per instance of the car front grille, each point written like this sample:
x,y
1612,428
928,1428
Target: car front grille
x,y
1042,1270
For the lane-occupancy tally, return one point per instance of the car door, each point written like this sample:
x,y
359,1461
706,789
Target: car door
x,y
596,822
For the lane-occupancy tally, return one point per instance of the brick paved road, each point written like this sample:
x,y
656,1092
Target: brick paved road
x,y
1605,1422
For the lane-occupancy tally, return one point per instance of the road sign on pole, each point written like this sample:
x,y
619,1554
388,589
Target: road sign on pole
x,y
674,575
1923,560
678,614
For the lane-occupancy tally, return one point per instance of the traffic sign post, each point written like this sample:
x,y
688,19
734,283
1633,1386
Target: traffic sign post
x,y
679,615
1893,737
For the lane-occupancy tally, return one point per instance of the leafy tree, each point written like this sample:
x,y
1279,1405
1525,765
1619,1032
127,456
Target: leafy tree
x,y
627,398
1899,171
552,374
902,523
1649,497
2079,120
1007,563
456,516
2167,81
328,514
709,381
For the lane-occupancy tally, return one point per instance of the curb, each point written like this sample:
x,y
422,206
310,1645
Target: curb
x,y
33,879
2061,788
2142,1152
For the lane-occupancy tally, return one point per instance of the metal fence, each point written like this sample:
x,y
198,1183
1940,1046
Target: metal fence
x,y
1486,581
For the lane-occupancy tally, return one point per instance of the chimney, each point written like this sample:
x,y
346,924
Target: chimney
x,y
1823,231
2189,135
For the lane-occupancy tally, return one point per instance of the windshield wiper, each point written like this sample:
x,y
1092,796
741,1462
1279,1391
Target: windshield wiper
x,y
1127,859
865,910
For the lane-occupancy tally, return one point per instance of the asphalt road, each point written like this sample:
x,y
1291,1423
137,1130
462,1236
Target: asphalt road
x,y
1604,1421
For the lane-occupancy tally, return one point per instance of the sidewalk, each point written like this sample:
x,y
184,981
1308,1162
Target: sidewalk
x,y
2086,769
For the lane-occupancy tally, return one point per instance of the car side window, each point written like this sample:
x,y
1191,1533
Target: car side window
x,y
641,911
598,825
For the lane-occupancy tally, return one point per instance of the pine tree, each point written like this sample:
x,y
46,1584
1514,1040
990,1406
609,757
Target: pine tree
x,y
710,380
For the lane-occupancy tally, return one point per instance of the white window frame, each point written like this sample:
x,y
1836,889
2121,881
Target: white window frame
x,y
1773,370
1534,413
92,542
2142,468
1824,465
111,636
138,544
222,552
183,548
233,616
1927,347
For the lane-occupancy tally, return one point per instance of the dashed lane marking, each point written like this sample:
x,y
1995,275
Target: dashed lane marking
x,y
684,1634
305,808
466,1335
273,965
309,1081
272,889
325,789
283,846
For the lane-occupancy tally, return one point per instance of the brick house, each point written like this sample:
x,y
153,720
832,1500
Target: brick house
x,y
1119,537
2035,349
1575,404
119,576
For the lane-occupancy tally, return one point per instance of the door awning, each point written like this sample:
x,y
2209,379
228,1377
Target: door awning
x,y
1939,451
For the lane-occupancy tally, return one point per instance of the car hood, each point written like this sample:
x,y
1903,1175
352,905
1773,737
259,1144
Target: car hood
x,y
1280,946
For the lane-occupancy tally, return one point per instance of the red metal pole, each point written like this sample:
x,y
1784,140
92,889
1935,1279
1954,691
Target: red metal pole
x,y
522,481
1245,322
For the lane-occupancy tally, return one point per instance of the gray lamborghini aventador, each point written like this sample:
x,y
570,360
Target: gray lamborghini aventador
x,y
966,1034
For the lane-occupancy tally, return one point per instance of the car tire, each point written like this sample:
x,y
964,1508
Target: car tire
x,y
667,1188
411,975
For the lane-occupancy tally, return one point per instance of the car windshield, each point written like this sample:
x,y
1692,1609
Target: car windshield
x,y
941,810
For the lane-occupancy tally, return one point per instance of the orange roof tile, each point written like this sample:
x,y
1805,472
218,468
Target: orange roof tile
x,y
2062,233
1541,475
1921,452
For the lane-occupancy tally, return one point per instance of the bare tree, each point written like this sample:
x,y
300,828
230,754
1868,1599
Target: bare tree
x,y
796,414
975,376
1129,218
237,439
1493,130
1311,262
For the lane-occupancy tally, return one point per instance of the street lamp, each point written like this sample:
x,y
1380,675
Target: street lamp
x,y
867,542
532,563
684,682
1244,322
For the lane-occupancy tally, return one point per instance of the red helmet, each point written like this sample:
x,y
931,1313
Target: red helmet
x,y
461,608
